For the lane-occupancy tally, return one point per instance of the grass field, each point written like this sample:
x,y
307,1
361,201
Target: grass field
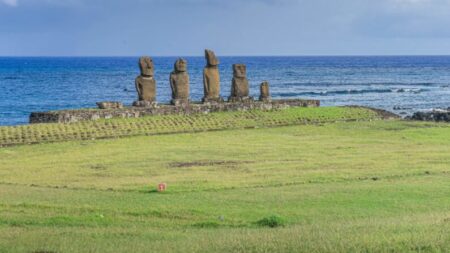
x,y
113,128
363,186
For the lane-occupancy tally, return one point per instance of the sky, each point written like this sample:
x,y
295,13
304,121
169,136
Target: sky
x,y
230,27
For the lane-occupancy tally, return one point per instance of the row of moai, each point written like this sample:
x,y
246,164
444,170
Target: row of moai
x,y
179,83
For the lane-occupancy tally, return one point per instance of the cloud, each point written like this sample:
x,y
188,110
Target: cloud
x,y
12,3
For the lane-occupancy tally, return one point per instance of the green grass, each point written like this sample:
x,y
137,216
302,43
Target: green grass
x,y
372,186
154,125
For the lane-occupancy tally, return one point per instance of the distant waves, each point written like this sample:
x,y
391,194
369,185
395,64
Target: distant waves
x,y
349,91
328,84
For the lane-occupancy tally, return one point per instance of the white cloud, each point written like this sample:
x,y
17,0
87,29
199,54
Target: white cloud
x,y
12,3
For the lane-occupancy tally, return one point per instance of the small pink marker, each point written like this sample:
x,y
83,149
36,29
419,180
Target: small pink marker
x,y
162,187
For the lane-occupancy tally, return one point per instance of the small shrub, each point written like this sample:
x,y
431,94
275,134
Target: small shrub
x,y
272,221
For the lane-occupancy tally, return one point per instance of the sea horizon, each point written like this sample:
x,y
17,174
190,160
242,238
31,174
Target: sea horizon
x,y
400,84
201,55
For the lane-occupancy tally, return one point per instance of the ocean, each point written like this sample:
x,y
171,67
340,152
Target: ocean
x,y
402,84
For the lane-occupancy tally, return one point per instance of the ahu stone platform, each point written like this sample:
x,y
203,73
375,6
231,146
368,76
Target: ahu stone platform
x,y
72,116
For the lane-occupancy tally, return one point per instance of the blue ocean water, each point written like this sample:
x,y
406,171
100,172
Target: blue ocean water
x,y
410,83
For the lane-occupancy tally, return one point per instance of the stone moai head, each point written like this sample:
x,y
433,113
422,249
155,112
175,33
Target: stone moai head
x,y
181,65
239,70
146,66
265,93
211,58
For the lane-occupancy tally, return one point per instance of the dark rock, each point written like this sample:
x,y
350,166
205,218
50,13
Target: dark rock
x,y
435,115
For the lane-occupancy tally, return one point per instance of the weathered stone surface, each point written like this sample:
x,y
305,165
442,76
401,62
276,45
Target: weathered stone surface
x,y
211,58
148,104
72,116
109,105
180,102
211,78
239,85
216,100
264,91
145,83
146,66
179,82
239,99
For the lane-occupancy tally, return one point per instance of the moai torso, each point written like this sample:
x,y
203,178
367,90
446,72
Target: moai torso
x,y
211,82
180,85
145,83
179,81
239,86
211,77
146,88
265,93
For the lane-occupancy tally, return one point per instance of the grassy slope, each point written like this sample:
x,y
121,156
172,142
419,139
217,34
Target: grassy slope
x,y
177,124
342,187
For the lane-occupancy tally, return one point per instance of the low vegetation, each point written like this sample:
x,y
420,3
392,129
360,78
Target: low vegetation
x,y
272,221
114,128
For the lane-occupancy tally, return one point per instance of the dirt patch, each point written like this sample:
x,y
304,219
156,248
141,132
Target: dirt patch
x,y
206,163
97,167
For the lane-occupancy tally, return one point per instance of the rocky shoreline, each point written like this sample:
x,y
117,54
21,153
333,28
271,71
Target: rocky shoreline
x,y
437,115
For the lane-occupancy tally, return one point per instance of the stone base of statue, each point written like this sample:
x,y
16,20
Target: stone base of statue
x,y
180,102
147,104
240,99
212,100
265,99
109,105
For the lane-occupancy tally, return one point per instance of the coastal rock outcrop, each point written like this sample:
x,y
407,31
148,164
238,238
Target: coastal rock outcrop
x,y
179,82
211,78
239,85
145,83
264,91
435,115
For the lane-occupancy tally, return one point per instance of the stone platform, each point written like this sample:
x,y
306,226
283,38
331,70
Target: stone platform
x,y
72,116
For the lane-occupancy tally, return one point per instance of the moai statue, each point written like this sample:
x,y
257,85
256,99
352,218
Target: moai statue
x,y
265,93
211,78
179,82
239,85
145,83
